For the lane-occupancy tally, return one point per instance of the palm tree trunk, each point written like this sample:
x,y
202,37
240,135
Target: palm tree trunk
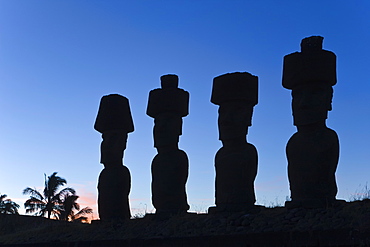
x,y
49,207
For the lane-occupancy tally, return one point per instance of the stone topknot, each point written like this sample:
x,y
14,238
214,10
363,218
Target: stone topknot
x,y
313,65
114,114
312,43
168,98
169,81
238,86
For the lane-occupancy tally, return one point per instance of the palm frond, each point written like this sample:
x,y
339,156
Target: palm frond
x,y
7,206
63,194
42,212
80,216
2,197
33,193
84,211
52,184
34,200
69,204
32,206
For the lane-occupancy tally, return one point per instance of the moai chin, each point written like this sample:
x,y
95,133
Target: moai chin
x,y
313,151
114,121
236,161
167,105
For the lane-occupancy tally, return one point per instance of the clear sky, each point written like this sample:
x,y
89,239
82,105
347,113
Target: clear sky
x,y
58,58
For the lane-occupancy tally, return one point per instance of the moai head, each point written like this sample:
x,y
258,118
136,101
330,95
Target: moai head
x,y
114,121
311,103
167,105
310,74
236,94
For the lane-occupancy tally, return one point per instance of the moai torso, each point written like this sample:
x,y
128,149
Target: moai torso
x,y
312,162
167,105
114,121
236,162
313,151
236,170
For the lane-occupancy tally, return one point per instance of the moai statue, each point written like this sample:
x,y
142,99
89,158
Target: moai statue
x,y
167,105
236,161
114,121
313,151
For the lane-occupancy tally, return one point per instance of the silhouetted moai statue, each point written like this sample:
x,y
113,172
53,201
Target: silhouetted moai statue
x,y
236,162
114,121
167,105
313,151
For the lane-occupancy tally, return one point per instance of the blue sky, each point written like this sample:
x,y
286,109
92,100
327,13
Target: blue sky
x,y
58,58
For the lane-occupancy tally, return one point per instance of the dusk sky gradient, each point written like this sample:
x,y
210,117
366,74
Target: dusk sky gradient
x,y
58,58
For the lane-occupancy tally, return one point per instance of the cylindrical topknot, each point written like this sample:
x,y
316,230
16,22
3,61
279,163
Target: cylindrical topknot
x,y
169,98
311,65
169,81
114,114
313,43
238,86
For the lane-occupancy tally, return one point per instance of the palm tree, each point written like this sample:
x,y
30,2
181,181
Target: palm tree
x,y
48,202
7,206
69,204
